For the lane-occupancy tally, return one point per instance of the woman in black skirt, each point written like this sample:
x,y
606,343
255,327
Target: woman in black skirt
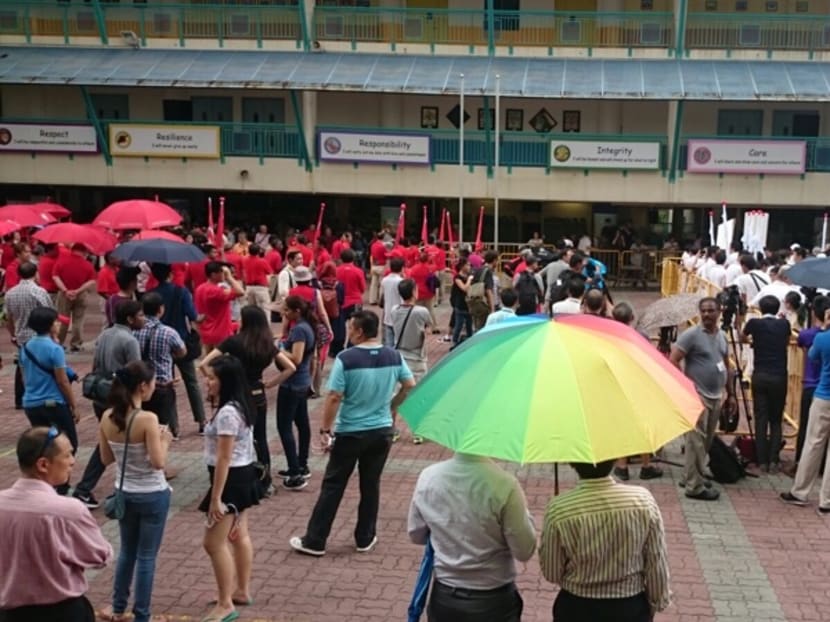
x,y
230,456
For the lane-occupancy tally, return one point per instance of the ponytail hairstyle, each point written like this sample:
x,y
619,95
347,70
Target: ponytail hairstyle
x,y
233,387
126,382
301,306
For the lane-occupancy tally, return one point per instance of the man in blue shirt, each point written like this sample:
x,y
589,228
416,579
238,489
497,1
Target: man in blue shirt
x,y
814,452
360,405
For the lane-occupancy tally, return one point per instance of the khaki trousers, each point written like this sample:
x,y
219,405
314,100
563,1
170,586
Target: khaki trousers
x,y
698,442
75,309
258,296
814,454
374,284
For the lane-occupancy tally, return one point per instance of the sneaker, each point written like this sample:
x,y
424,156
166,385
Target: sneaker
x,y
650,472
305,473
396,434
298,545
822,511
88,499
417,440
296,482
707,483
707,494
788,497
621,474
201,431
371,545
284,473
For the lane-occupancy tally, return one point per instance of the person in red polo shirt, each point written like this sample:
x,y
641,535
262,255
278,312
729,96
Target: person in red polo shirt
x,y
105,284
256,272
196,271
273,256
423,273
46,267
74,277
354,285
22,254
305,250
379,262
345,242
213,304
321,256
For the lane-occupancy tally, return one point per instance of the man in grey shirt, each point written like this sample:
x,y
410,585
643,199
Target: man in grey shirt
x,y
475,515
391,299
115,347
703,348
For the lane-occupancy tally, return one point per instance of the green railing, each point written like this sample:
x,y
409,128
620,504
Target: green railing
x,y
757,31
32,18
818,149
511,28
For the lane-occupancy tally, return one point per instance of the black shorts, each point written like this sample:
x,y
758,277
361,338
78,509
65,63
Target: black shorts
x,y
242,488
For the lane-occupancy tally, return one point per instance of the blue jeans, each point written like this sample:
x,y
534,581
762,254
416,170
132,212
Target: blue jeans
x,y
141,532
388,336
464,320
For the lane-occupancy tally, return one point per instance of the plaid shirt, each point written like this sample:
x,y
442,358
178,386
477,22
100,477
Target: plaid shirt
x,y
157,343
20,301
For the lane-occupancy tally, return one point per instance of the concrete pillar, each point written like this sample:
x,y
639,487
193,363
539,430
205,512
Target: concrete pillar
x,y
610,117
309,112
308,8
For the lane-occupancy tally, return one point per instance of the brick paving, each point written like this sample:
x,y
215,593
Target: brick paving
x,y
746,557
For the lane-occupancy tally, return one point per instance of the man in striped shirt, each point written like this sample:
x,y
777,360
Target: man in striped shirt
x,y
603,544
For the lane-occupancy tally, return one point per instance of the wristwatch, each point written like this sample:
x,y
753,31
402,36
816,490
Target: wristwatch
x,y
322,431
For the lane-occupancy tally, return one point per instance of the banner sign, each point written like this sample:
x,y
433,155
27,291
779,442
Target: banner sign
x,y
341,146
604,154
748,157
164,141
54,138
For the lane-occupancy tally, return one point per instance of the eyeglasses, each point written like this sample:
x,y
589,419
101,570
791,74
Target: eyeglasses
x,y
51,435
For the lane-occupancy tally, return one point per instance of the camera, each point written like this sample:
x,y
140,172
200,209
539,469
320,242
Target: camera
x,y
732,305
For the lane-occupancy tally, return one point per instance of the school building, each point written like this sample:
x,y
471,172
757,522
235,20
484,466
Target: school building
x,y
558,114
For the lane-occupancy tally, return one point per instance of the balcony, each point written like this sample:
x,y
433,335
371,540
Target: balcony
x,y
756,31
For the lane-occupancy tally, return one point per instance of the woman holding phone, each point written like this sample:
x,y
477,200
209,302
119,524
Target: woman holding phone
x,y
234,486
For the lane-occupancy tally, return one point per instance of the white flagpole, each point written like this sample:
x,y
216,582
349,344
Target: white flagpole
x,y
496,172
461,164
824,234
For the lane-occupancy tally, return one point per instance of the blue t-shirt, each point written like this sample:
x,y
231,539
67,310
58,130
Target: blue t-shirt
x,y
820,353
40,385
301,379
812,369
367,378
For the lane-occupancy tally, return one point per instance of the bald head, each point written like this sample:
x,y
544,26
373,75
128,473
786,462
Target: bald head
x,y
594,300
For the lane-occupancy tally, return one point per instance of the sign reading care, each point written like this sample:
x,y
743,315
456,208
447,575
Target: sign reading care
x,y
749,157
164,141
374,148
604,154
54,138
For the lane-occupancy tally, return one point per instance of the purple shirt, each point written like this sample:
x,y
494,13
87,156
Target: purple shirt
x,y
812,369
47,542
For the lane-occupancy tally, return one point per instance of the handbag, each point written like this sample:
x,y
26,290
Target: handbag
x,y
96,387
192,339
115,505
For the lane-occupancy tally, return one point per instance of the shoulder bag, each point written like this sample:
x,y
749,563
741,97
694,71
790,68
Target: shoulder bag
x,y
115,505
96,387
192,340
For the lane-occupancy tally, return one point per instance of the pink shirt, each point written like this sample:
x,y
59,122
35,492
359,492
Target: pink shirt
x,y
47,542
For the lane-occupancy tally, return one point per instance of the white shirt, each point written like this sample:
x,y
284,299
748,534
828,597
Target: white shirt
x,y
391,297
584,243
750,283
285,281
476,517
567,306
779,289
703,268
732,259
733,273
689,260
717,275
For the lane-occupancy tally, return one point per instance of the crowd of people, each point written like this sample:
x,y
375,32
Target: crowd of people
x,y
216,319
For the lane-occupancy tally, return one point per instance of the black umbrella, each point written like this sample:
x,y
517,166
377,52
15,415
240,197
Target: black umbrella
x,y
812,272
158,251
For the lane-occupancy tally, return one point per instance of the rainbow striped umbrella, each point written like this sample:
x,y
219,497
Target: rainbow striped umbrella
x,y
577,389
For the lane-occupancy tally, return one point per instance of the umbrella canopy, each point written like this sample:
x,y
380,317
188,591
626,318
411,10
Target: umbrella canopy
x,y
56,210
7,227
670,311
158,251
26,215
156,234
812,272
137,214
577,389
97,240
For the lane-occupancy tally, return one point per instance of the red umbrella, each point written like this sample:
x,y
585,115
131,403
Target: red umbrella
x,y
56,210
94,238
156,234
7,227
137,214
26,215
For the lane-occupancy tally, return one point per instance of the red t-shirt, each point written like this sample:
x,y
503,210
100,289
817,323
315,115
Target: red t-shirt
x,y
105,283
12,277
354,284
8,255
235,260
412,254
307,253
321,257
274,260
213,302
74,270
338,247
378,252
45,268
196,274
256,271
439,257
179,272
420,273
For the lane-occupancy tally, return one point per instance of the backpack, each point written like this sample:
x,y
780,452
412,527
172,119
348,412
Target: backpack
x,y
724,463
330,303
478,286
527,291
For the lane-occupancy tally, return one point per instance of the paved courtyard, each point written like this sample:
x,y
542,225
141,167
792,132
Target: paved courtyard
x,y
744,558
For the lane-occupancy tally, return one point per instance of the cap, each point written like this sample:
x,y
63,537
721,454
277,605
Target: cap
x,y
302,274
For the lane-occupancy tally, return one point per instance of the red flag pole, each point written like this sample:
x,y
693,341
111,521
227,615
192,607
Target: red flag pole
x,y
424,228
319,222
220,227
401,223
449,238
479,245
443,224
211,238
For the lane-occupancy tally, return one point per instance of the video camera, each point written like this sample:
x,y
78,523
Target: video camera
x,y
731,304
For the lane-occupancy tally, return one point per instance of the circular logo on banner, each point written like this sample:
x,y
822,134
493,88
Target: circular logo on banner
x,y
332,145
702,155
123,140
5,136
561,153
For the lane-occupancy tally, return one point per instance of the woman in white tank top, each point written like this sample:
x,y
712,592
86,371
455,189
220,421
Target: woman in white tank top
x,y
125,427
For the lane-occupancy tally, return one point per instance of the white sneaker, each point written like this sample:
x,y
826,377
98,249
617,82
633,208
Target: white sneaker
x,y
368,547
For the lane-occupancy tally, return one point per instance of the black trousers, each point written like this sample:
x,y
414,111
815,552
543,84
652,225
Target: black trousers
x,y
263,454
570,608
77,609
163,403
368,450
769,394
449,604
94,468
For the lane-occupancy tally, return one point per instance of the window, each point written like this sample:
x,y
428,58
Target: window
x,y
741,5
802,6
506,15
772,6
113,107
740,122
646,5
711,5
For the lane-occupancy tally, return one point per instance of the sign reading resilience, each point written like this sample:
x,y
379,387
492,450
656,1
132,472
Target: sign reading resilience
x,y
54,138
602,154
164,141
748,157
374,148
